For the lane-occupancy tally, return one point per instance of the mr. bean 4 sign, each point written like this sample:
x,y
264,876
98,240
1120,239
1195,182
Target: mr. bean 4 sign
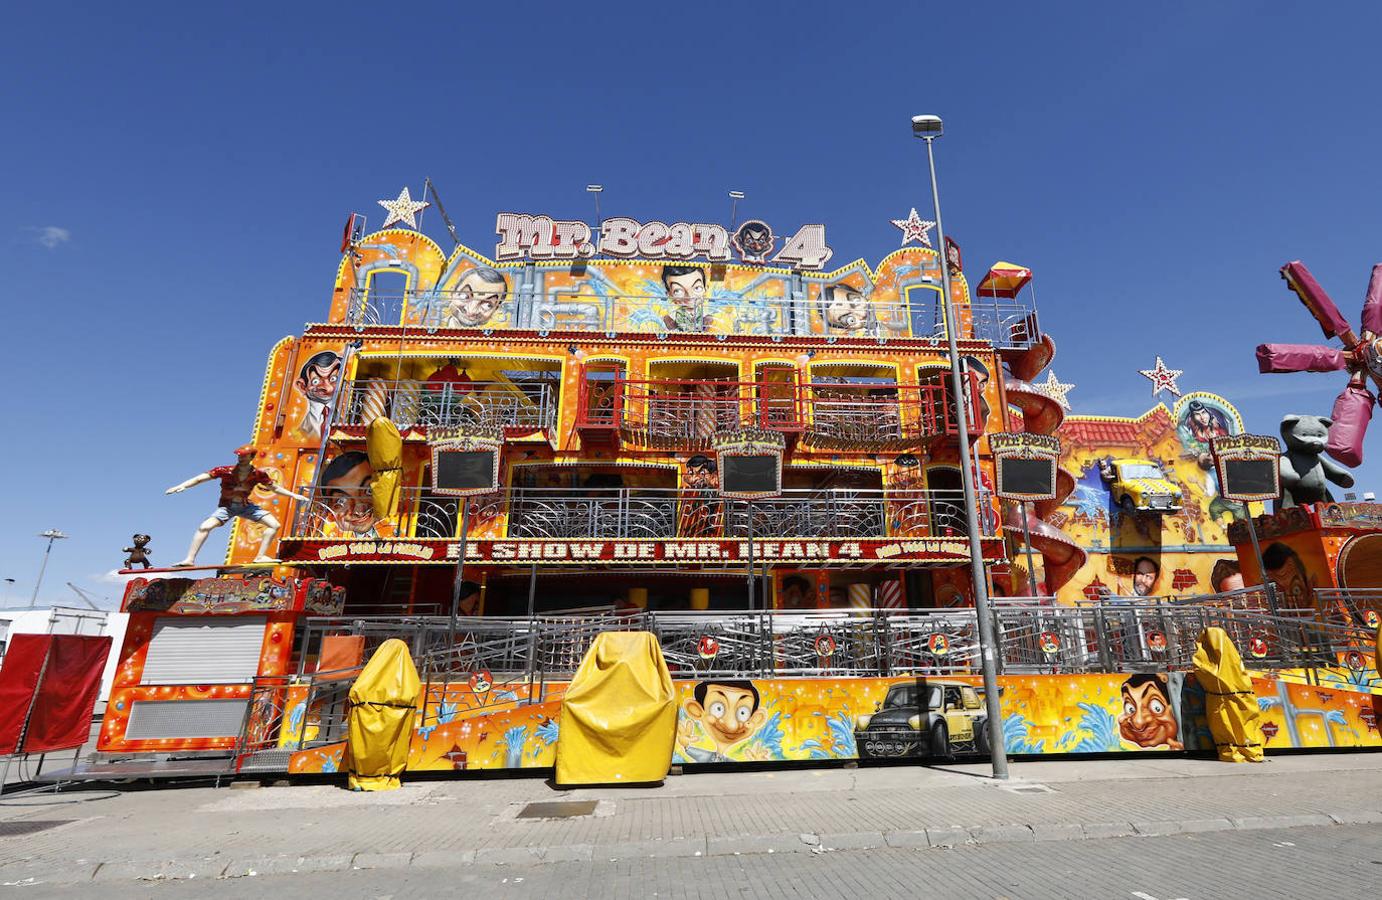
x,y
523,236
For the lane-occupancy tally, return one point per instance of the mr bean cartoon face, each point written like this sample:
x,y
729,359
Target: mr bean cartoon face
x,y
477,296
1147,718
727,710
845,307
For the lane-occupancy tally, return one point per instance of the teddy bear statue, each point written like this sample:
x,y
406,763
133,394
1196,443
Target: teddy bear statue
x,y
1305,473
139,553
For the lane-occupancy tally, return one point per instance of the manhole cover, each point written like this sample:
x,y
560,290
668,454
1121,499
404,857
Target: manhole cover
x,y
30,826
1030,789
561,809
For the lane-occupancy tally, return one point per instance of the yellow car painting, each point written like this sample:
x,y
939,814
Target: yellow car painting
x,y
1140,485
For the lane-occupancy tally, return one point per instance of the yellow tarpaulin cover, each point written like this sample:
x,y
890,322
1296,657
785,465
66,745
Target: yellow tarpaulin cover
x,y
1230,702
619,716
383,701
384,445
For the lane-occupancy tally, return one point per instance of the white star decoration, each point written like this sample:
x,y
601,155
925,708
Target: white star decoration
x,y
915,228
404,209
1056,389
1163,379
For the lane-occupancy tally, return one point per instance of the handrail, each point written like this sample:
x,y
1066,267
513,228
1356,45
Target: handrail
x,y
630,512
1007,323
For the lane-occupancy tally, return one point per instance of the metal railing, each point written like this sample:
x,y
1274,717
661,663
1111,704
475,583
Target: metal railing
x,y
1006,323
688,414
512,406
626,513
1031,638
517,658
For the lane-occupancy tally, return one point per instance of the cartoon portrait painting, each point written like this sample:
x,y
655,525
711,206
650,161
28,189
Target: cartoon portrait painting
x,y
1148,720
317,382
717,723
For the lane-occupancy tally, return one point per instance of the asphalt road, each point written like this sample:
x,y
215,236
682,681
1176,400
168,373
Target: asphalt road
x,y
1336,863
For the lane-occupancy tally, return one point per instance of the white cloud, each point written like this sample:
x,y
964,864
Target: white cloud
x,y
51,236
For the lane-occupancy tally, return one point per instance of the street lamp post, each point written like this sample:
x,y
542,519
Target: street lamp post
x,y
52,534
928,128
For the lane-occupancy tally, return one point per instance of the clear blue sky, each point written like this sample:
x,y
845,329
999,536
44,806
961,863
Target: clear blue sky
x,y
175,181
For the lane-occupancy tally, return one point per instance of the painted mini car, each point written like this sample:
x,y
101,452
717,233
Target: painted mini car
x,y
927,717
1140,485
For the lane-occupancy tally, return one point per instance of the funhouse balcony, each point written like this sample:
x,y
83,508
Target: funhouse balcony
x,y
631,513
516,408
1007,322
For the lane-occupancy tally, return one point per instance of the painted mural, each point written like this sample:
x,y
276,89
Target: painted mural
x,y
400,277
1337,708
1177,547
773,720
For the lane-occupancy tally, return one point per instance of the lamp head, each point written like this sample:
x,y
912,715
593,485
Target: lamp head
x,y
927,126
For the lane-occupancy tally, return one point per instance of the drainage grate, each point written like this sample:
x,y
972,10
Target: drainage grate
x,y
29,826
561,809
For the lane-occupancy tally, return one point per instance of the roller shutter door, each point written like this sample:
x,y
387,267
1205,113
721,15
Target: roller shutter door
x,y
204,650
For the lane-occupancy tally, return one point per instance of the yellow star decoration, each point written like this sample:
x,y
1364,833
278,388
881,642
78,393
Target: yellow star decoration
x,y
404,209
1056,389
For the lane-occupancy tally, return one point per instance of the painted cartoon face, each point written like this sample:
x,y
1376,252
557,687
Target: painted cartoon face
x,y
729,713
1144,577
320,384
1232,582
476,300
1293,584
686,290
698,476
352,505
1147,719
846,309
754,239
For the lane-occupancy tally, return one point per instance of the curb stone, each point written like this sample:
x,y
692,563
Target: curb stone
x,y
396,860
1188,826
1245,823
941,837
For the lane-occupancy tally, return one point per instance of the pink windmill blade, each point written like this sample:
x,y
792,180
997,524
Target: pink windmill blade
x,y
1361,357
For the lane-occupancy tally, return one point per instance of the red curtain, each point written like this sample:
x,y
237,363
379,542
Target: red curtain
x,y
59,705
24,657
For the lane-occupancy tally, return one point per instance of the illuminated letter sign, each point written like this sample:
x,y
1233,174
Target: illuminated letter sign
x,y
524,236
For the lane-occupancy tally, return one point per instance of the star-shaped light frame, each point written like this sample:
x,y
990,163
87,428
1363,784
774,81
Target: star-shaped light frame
x,y
404,209
915,228
1162,378
1056,389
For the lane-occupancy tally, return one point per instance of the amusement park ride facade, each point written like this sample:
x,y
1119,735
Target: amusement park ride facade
x,y
703,431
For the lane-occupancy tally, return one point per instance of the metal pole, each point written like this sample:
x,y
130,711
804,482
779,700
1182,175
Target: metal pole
x,y
748,505
1027,537
459,580
43,566
1262,567
532,628
998,752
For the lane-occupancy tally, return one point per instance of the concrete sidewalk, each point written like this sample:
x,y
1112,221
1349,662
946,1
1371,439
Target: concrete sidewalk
x,y
207,833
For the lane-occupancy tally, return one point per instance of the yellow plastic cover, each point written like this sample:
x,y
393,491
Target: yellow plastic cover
x,y
1230,701
384,445
383,703
619,716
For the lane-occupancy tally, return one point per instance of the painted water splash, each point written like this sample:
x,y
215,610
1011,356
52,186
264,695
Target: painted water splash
x,y
1016,728
513,742
548,733
1096,733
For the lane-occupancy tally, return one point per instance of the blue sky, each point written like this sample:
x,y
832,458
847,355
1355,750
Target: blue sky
x,y
175,180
